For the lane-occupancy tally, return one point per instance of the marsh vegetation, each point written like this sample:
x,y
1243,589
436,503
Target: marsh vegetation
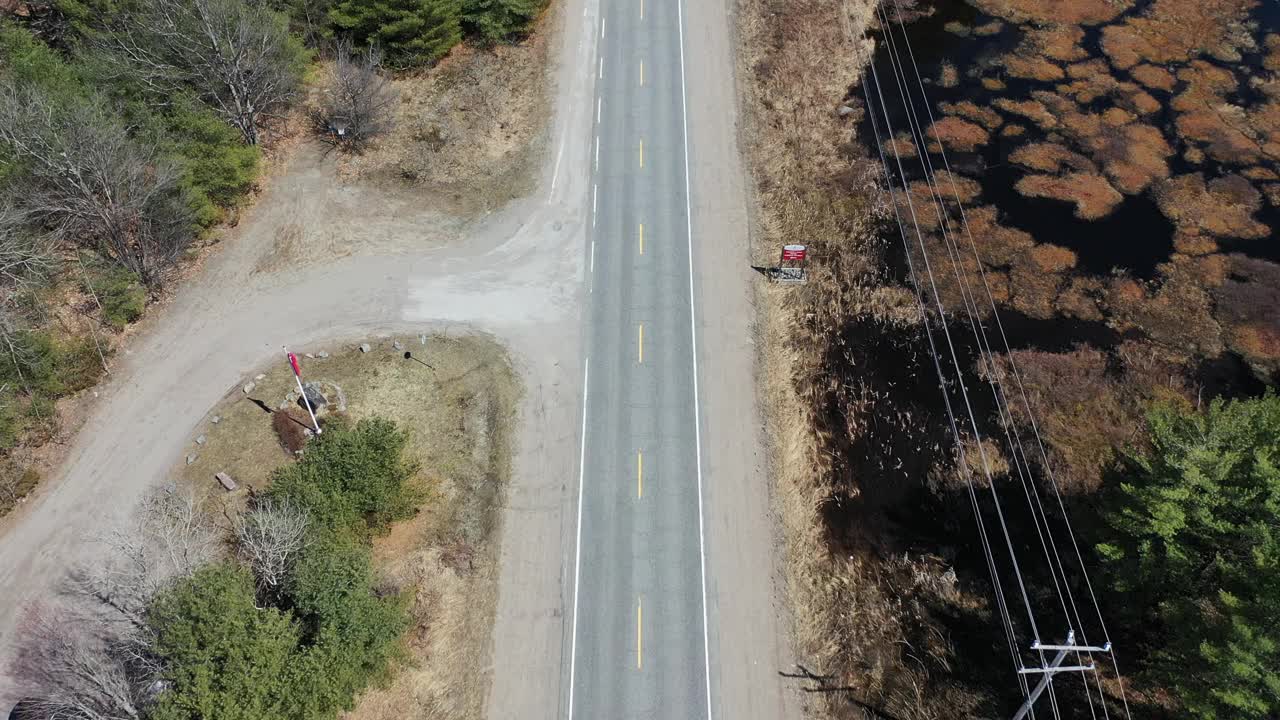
x,y
1113,162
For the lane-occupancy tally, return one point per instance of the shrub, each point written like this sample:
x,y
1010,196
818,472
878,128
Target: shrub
x,y
1192,539
217,168
223,656
499,20
123,298
49,366
352,478
353,634
413,32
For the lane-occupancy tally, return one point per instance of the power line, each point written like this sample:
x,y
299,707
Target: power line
x,y
1018,453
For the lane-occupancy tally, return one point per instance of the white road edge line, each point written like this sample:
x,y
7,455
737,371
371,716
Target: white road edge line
x,y
601,73
693,333
595,196
577,552
597,161
599,105
555,175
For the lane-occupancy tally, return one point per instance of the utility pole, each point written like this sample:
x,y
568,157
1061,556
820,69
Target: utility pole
x,y
1053,668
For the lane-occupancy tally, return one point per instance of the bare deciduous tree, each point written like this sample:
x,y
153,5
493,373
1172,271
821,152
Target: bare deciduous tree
x,y
268,539
356,103
89,182
68,668
237,56
24,254
170,538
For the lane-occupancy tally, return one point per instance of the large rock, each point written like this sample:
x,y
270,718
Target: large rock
x,y
315,396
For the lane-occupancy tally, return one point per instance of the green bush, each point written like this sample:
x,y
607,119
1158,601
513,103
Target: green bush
x,y
353,634
122,296
1194,546
352,479
12,418
50,367
499,20
224,657
411,32
24,59
218,168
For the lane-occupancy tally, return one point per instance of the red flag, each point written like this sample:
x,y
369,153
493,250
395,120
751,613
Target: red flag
x,y
293,361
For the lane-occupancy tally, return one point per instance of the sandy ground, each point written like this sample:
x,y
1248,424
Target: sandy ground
x,y
318,259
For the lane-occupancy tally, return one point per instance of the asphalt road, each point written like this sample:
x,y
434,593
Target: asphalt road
x,y
639,645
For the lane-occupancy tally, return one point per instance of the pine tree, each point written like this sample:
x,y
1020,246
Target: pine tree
x,y
499,20
412,32
1196,546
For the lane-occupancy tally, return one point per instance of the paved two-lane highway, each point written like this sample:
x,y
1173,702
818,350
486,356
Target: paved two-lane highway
x,y
639,635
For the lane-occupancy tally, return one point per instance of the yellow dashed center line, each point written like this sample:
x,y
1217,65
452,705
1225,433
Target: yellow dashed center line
x,y
641,9
640,344
641,238
641,73
641,152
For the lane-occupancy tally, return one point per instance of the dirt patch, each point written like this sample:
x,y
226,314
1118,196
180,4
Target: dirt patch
x,y
460,411
471,129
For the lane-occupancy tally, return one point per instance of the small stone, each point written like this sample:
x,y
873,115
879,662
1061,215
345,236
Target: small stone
x,y
248,387
226,481
258,377
397,345
364,347
322,354
845,110
283,406
192,458
422,339
308,432
309,355
200,440
216,419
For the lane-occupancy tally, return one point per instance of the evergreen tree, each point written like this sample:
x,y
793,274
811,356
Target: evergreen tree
x,y
223,657
412,32
499,20
1196,542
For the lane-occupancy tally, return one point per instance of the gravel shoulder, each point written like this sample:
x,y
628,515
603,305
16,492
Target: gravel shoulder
x,y
747,609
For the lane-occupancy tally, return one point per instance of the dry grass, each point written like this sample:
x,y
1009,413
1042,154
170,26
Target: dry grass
x,y
1093,196
1032,110
967,109
471,129
1246,302
855,613
1176,30
1050,158
460,415
1223,207
1039,12
1154,77
958,134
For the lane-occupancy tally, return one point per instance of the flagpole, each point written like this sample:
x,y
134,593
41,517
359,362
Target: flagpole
x,y
297,377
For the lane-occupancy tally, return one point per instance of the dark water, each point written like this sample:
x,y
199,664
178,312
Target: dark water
x,y
1134,239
